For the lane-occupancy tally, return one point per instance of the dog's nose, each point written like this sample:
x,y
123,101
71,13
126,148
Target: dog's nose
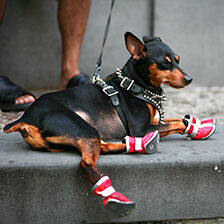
x,y
187,79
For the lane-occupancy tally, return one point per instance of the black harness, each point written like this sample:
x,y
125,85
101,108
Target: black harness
x,y
128,84
154,99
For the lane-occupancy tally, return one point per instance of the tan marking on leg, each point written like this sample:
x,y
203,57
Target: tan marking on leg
x,y
61,140
55,150
112,147
175,125
90,149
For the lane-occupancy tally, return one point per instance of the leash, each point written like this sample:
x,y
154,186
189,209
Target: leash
x,y
96,74
109,89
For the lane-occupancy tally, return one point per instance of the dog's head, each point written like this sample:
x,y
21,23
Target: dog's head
x,y
156,61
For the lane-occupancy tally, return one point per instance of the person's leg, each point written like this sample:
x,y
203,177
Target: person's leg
x,y
72,19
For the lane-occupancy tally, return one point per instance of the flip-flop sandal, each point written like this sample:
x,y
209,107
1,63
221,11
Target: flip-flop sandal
x,y
81,79
9,91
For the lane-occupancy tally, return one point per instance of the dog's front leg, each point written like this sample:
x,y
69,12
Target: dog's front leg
x,y
175,125
112,147
147,144
185,126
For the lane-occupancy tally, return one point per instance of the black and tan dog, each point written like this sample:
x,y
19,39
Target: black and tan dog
x,y
81,117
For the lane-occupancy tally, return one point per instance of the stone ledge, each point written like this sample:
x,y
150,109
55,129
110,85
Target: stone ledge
x,y
183,181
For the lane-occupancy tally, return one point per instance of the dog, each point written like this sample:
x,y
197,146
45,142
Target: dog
x,y
123,104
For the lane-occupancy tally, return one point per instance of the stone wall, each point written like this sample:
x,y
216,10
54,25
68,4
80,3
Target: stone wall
x,y
30,45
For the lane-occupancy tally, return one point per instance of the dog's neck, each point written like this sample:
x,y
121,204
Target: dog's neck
x,y
137,71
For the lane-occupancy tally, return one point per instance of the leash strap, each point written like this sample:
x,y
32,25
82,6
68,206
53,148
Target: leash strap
x,y
96,74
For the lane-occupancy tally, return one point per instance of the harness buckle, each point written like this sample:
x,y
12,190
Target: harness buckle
x,y
110,91
126,83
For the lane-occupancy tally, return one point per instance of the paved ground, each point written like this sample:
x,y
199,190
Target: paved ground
x,y
200,101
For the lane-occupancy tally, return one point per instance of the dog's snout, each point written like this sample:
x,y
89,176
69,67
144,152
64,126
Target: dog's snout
x,y
187,79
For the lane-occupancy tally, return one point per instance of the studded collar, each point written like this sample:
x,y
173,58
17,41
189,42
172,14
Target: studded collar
x,y
156,100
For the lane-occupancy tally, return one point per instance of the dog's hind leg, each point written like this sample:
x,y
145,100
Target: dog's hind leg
x,y
72,130
114,201
90,149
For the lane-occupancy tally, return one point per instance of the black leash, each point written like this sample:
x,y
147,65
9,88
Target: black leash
x,y
96,74
109,89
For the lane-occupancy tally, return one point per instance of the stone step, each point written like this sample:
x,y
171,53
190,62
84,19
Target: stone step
x,y
185,180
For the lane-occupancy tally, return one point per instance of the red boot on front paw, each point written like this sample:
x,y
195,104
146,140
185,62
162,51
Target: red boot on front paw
x,y
198,132
145,145
114,201
195,120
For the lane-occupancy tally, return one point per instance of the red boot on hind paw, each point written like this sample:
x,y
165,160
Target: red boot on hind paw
x,y
198,132
145,145
114,201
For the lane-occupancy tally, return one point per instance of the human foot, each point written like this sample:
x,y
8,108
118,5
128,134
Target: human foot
x,y
78,79
13,97
24,99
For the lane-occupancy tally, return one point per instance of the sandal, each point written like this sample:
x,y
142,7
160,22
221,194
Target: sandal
x,y
9,91
81,79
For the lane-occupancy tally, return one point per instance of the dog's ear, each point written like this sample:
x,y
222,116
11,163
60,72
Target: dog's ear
x,y
134,46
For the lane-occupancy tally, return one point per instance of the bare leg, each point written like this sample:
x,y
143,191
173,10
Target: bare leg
x,y
72,19
25,98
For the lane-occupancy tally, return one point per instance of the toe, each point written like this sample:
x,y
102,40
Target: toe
x,y
28,99
19,100
24,99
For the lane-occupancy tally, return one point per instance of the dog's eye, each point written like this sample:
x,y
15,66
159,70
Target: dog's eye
x,y
165,64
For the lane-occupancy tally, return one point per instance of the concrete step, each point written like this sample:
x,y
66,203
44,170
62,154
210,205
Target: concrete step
x,y
185,180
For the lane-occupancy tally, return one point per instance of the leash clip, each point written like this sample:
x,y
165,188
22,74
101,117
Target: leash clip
x,y
96,74
110,91
126,82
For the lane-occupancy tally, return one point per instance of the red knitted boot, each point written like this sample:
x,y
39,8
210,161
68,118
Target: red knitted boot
x,y
202,131
114,201
195,120
145,145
